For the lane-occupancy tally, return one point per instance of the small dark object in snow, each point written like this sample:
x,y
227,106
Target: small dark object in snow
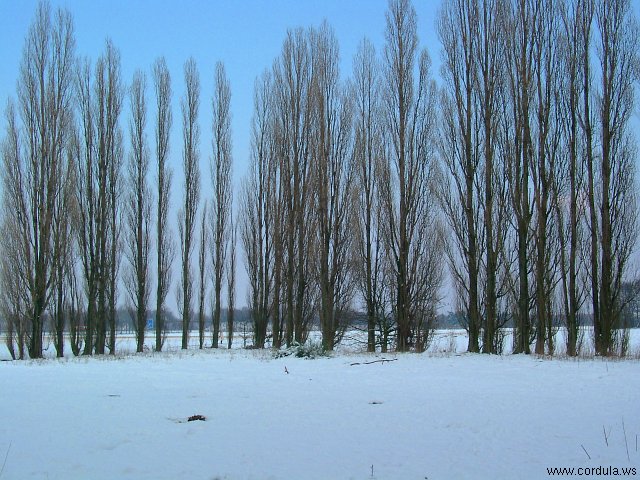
x,y
382,360
193,418
285,370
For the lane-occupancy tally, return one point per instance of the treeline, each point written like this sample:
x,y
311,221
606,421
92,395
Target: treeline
x,y
78,206
539,167
516,175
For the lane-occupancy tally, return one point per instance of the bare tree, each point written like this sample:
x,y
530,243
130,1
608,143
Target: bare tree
x,y
617,50
110,94
187,215
221,180
138,210
35,158
292,127
367,156
12,297
114,255
202,264
472,190
231,282
64,253
495,203
98,158
412,230
257,207
333,178
74,306
276,218
570,233
88,184
544,156
520,20
165,245
585,21
75,310
458,29
15,297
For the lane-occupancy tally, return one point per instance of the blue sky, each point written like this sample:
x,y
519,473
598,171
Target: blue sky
x,y
246,35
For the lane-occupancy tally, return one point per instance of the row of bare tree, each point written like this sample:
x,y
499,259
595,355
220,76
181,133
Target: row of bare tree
x,y
518,172
73,202
338,202
539,166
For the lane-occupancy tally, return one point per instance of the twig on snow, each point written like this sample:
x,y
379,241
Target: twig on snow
x,y
382,360
585,451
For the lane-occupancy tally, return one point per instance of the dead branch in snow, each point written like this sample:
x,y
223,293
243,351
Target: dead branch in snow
x,y
382,360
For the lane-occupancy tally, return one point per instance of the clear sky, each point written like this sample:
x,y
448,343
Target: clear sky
x,y
246,35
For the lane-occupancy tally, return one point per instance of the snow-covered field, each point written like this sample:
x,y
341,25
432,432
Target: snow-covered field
x,y
434,416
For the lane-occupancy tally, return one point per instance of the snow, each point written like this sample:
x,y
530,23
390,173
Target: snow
x,y
435,416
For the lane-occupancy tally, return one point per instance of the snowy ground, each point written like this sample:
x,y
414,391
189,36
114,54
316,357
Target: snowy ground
x,y
437,416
